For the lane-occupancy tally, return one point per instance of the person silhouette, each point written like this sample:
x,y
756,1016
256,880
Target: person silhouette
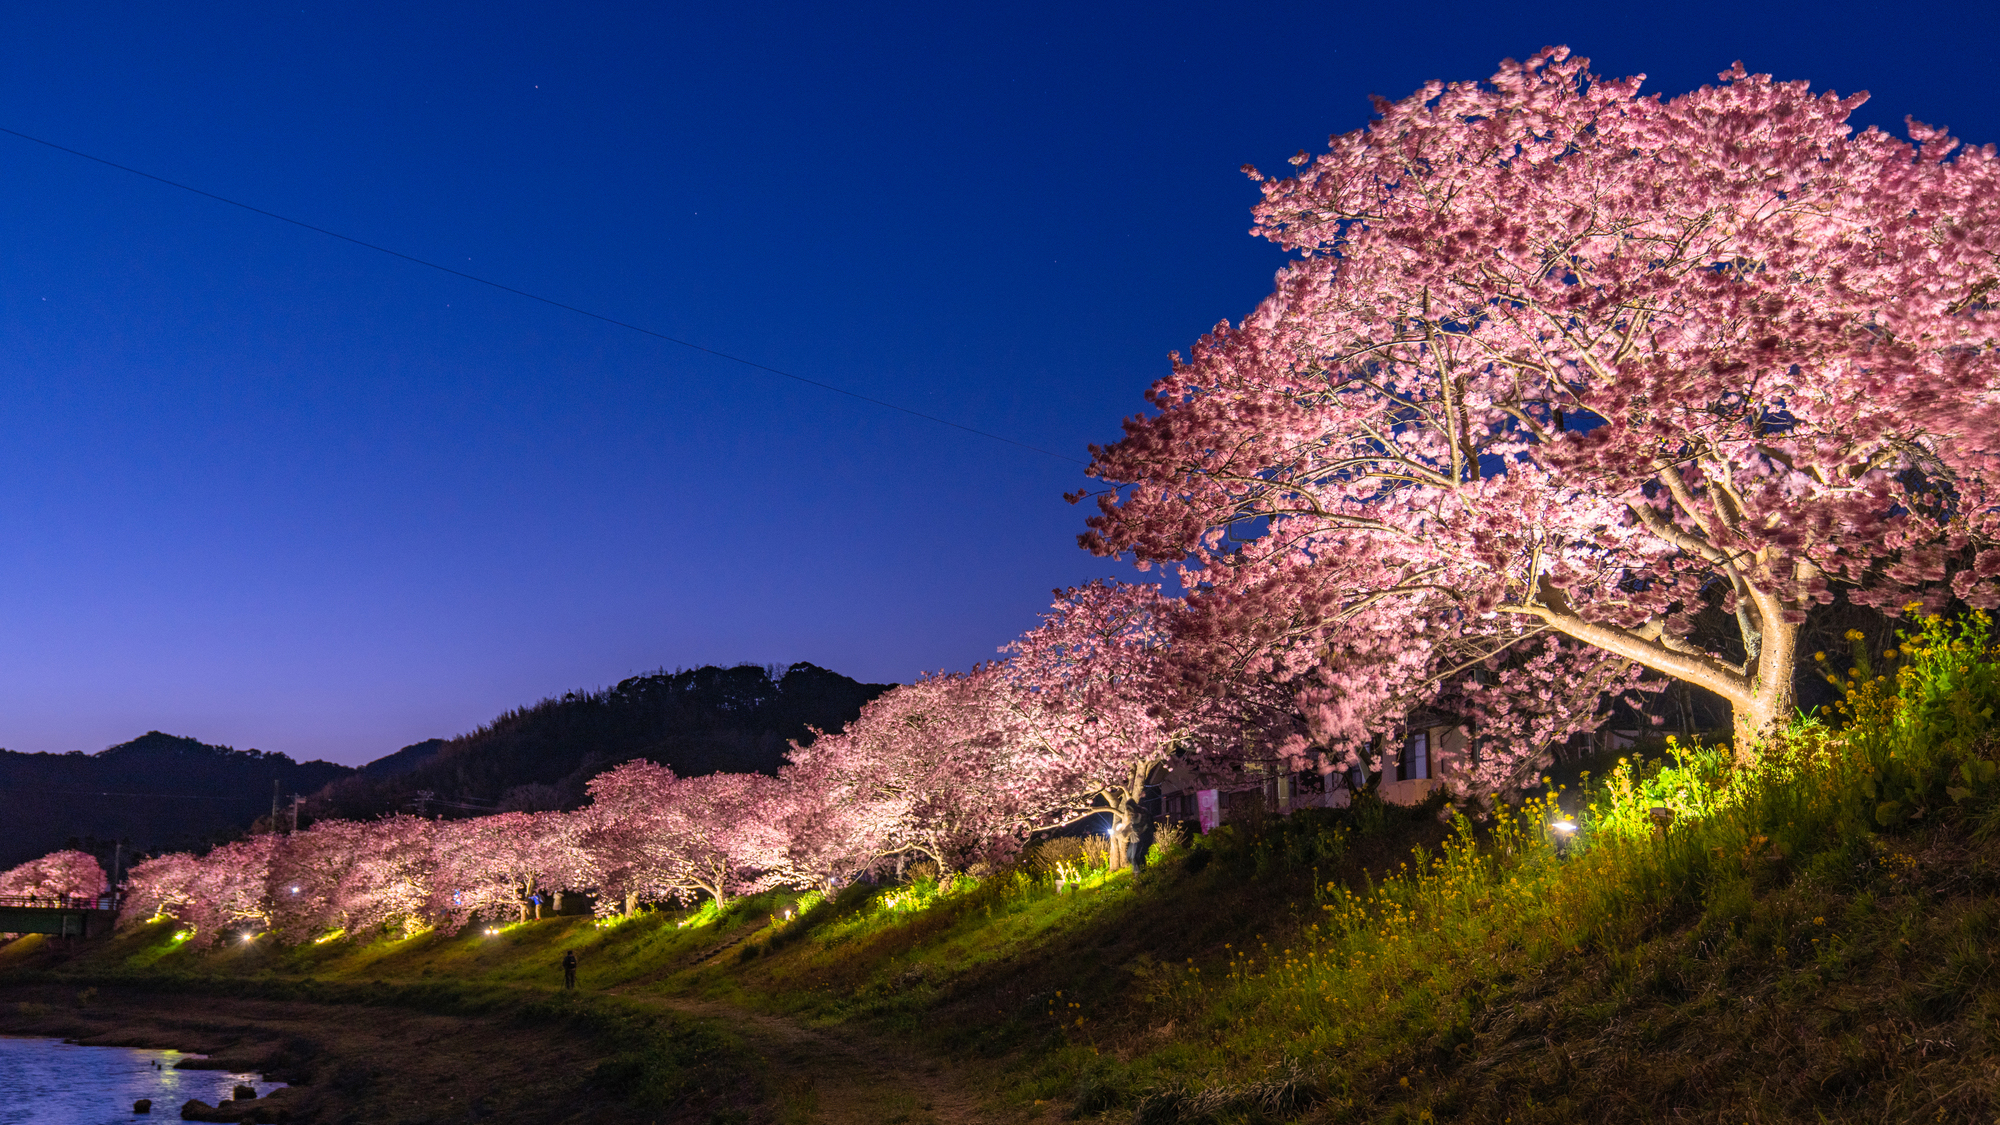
x,y
569,969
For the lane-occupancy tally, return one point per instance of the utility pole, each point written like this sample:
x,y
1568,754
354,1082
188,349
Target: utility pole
x,y
274,806
296,802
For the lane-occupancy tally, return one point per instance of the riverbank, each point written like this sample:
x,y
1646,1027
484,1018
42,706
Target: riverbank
x,y
394,1057
1766,984
1777,949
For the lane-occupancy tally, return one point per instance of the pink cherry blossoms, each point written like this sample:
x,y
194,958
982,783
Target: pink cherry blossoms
x,y
58,875
1091,705
650,834
1558,357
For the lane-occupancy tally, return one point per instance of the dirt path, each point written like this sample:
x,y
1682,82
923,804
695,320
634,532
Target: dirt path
x,y
841,1076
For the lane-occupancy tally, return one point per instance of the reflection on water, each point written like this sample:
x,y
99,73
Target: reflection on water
x,y
50,1082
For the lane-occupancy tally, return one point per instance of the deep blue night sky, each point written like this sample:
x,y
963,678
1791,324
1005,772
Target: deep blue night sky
x,y
264,488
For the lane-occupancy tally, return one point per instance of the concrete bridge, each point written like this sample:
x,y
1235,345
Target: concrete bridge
x,y
63,917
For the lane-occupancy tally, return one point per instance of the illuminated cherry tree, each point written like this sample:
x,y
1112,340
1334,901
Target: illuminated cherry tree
x,y
492,865
307,873
390,880
64,874
229,891
1094,713
929,769
1334,659
832,834
158,889
210,896
354,876
650,834
1559,358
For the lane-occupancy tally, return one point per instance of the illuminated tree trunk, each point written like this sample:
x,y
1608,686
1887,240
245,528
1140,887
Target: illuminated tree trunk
x,y
1760,691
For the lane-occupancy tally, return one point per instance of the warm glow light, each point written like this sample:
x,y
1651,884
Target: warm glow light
x,y
1563,826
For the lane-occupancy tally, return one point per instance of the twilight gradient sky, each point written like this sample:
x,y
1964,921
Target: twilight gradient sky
x,y
264,488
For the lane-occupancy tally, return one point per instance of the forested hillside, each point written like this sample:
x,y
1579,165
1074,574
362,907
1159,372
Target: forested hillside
x,y
155,792
695,721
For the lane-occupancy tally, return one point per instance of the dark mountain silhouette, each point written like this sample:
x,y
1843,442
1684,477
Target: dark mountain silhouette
x,y
695,721
156,792
404,760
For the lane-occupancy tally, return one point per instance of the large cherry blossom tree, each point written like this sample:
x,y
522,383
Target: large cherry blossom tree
x,y
210,895
1560,358
63,874
306,877
492,865
652,834
354,876
159,888
390,881
1093,710
928,769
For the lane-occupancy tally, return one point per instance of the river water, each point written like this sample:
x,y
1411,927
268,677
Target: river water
x,y
50,1082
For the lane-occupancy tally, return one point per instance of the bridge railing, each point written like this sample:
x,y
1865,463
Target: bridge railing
x,y
60,902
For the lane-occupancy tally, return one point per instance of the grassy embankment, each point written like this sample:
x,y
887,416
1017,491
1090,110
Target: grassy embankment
x,y
1810,939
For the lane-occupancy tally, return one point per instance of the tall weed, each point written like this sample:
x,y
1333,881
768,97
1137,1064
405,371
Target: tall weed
x,y
1413,957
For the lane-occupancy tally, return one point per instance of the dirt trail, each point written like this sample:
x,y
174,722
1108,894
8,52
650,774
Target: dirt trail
x,y
841,1076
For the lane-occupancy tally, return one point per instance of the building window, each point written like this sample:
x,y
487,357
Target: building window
x,y
1415,764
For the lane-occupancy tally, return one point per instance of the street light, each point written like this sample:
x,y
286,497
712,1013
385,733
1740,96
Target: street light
x,y
1564,829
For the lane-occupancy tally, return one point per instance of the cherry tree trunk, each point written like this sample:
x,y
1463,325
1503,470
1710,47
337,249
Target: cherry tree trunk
x,y
1768,705
1128,827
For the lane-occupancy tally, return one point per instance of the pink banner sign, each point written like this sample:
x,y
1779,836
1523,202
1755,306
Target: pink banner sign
x,y
1208,809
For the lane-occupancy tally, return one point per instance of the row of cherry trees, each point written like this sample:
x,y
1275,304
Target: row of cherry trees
x,y
958,769
399,872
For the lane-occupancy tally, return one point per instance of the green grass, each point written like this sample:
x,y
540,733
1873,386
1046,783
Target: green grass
x,y
1791,948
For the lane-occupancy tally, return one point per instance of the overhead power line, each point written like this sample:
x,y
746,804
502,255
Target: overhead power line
x,y
550,301
108,793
